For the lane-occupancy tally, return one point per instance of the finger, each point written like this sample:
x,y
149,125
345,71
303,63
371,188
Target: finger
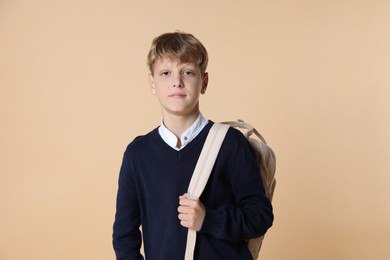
x,y
182,217
186,196
183,209
185,217
188,224
184,224
185,221
186,202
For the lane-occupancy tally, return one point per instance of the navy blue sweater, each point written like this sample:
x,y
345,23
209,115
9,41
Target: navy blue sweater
x,y
153,176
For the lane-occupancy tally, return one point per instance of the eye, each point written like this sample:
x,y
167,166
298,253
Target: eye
x,y
165,73
188,73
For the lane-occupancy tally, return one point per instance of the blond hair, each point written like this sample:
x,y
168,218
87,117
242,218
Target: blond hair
x,y
183,47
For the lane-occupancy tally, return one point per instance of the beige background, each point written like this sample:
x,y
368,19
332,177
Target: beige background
x,y
312,76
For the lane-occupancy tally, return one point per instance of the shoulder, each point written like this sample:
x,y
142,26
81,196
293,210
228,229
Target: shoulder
x,y
235,137
235,141
141,142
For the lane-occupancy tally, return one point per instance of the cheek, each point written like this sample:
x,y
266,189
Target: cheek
x,y
161,85
197,84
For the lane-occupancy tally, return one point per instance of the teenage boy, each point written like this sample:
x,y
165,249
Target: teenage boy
x,y
157,168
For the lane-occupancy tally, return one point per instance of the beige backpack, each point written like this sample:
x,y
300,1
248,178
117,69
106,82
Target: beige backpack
x,y
265,157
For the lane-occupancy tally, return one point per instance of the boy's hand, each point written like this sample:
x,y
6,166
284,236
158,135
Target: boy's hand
x,y
191,213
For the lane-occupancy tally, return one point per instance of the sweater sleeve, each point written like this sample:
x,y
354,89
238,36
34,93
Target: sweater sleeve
x,y
250,215
126,230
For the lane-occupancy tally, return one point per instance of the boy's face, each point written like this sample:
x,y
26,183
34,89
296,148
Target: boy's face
x,y
177,86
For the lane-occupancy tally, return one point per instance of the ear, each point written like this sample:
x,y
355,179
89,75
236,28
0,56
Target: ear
x,y
151,83
205,82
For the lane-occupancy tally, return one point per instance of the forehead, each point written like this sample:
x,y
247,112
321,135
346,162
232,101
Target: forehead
x,y
173,62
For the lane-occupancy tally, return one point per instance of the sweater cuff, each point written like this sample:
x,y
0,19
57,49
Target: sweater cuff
x,y
211,222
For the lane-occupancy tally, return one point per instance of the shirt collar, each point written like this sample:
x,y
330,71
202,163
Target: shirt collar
x,y
188,135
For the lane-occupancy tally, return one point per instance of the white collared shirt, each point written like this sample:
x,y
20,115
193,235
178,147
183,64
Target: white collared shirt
x,y
188,135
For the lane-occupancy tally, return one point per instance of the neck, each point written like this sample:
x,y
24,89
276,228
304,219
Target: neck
x,y
178,124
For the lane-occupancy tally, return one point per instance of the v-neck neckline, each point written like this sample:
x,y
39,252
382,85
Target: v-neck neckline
x,y
177,154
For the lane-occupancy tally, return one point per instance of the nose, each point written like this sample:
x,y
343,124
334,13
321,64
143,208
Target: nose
x,y
177,81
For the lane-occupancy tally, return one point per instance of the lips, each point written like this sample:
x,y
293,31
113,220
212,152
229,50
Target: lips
x,y
177,95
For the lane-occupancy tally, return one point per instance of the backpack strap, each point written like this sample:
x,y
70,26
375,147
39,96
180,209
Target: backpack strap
x,y
201,174
251,130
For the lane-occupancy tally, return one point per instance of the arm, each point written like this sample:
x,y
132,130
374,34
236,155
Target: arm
x,y
249,212
126,233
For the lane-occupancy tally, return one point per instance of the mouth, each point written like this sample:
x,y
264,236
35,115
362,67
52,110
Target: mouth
x,y
177,95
